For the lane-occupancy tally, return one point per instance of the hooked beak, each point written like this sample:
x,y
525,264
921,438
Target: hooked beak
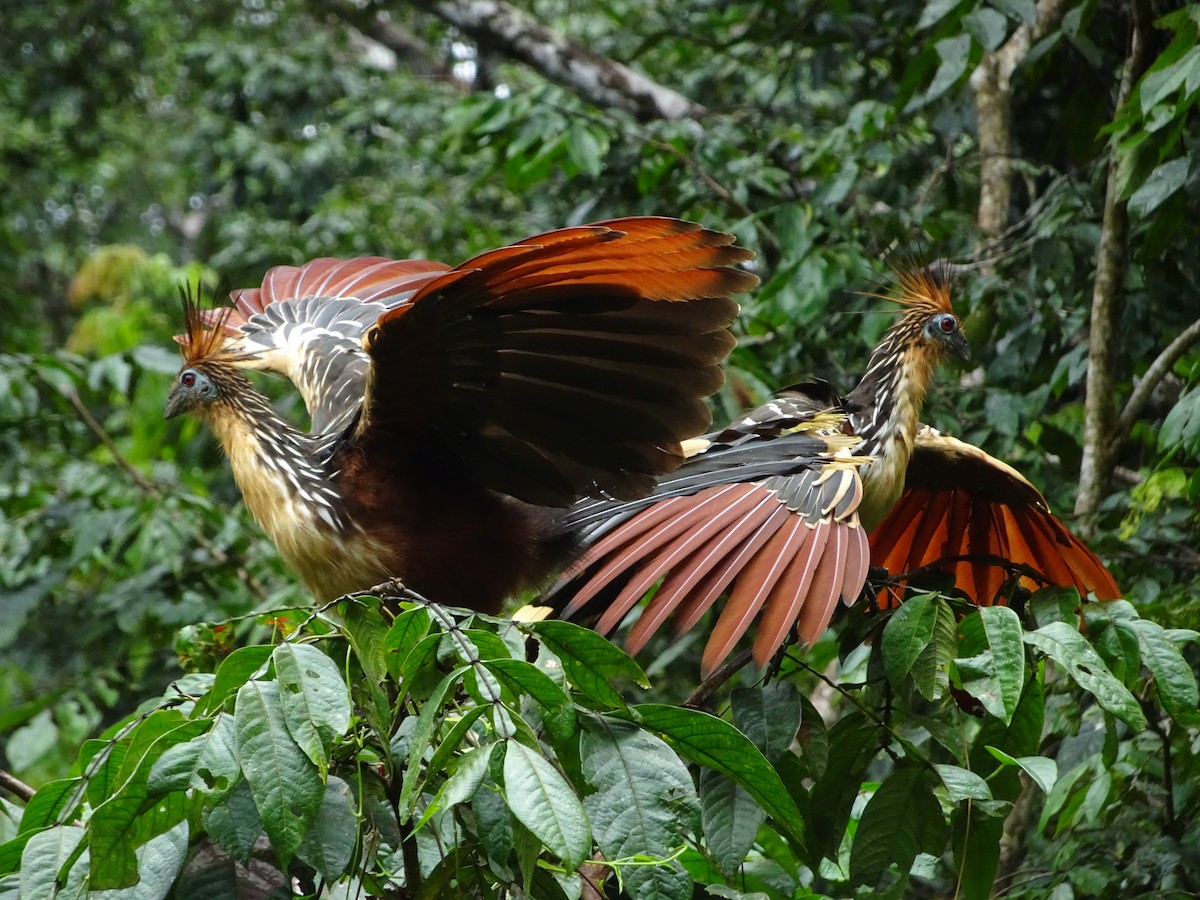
x,y
177,402
958,343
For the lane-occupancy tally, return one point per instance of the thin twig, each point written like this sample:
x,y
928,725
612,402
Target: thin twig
x,y
103,437
1159,369
16,786
723,673
151,489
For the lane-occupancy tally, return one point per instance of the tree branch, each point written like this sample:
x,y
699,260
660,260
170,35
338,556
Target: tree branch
x,y
499,26
370,27
16,786
1159,369
1099,446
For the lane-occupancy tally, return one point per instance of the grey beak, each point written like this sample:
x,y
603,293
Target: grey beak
x,y
958,343
176,403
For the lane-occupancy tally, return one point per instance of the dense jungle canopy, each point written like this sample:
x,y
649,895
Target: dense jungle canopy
x,y
1047,150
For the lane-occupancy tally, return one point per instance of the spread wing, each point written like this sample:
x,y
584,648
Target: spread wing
x,y
571,364
307,322
968,513
766,509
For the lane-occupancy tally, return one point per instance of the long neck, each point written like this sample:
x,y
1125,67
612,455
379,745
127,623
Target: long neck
x,y
283,473
885,409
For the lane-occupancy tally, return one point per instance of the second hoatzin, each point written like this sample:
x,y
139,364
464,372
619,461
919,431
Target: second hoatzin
x,y
785,509
456,412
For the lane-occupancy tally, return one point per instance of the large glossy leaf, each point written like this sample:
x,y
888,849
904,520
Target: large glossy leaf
x,y
1067,647
542,800
644,803
901,819
712,742
313,696
592,664
284,782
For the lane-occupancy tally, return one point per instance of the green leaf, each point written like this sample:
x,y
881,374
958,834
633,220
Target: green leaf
x,y
1158,83
996,677
522,677
367,632
408,629
987,26
908,632
285,783
1173,676
48,805
542,800
328,845
962,784
1159,185
235,823
1067,647
1024,11
709,741
462,785
206,763
44,856
1042,770
591,662
954,53
235,670
422,736
314,699
731,818
454,738
936,10
769,716
131,816
1055,604
644,803
159,862
901,819
931,671
853,743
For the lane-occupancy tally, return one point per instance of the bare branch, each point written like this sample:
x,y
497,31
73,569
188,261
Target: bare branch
x,y
16,786
368,28
504,28
1099,437
1159,369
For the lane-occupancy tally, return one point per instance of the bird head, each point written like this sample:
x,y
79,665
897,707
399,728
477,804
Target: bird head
x,y
194,389
944,332
207,359
929,321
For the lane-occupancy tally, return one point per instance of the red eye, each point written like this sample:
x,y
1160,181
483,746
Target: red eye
x,y
187,379
947,325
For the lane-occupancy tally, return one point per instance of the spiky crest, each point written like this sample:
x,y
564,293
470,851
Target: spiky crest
x,y
203,338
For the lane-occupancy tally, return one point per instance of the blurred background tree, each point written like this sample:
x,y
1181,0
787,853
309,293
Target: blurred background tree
x,y
1047,149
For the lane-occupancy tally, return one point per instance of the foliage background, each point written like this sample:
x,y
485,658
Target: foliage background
x,y
1048,150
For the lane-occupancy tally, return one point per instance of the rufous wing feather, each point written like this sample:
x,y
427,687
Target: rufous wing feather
x,y
785,548
571,364
969,514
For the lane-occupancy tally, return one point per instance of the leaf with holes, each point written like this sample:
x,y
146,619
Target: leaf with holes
x,y
285,783
1067,647
313,696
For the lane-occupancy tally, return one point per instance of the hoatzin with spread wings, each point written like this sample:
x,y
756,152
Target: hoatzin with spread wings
x,y
457,412
775,510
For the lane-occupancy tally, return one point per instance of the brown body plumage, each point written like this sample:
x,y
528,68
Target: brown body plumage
x,y
774,511
457,412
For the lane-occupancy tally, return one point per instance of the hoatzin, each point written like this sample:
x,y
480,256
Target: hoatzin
x,y
457,412
776,509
